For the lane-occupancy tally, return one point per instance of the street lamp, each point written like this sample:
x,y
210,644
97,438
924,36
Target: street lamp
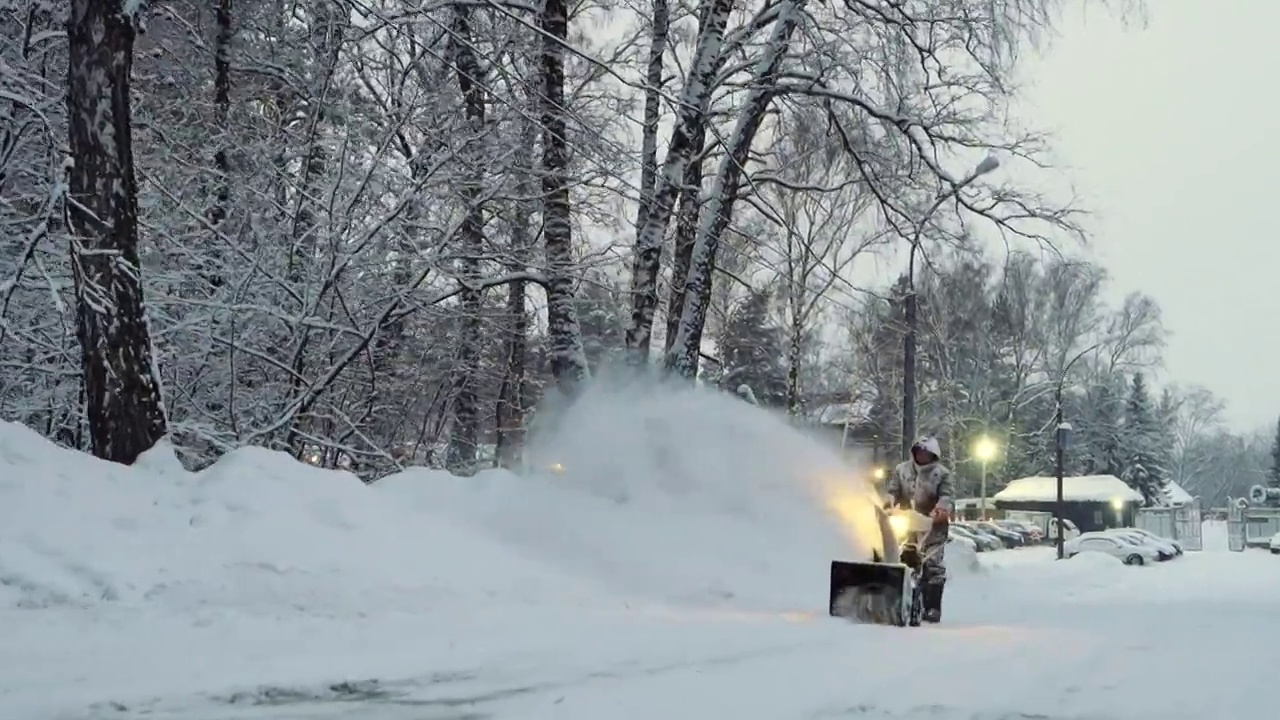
x,y
989,164
1062,438
985,451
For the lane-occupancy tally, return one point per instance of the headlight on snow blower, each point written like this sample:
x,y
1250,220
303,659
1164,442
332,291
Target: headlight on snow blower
x,y
899,525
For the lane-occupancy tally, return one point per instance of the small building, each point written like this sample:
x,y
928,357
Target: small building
x,y
1092,502
1176,496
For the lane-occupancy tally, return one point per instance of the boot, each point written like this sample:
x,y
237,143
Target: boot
x,y
932,597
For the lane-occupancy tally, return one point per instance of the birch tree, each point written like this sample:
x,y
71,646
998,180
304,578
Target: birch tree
x,y
821,213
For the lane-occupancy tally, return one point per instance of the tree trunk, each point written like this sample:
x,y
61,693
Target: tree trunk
x,y
694,101
122,390
511,395
795,344
568,358
684,354
222,112
686,233
465,430
652,105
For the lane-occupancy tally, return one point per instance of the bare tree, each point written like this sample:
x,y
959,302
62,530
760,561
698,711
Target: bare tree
x,y
690,116
821,209
568,359
471,84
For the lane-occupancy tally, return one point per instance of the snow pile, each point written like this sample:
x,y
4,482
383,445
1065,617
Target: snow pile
x,y
962,559
1080,488
256,531
671,494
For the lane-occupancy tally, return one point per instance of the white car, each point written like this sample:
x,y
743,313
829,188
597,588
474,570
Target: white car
x,y
1168,548
967,543
1118,546
1275,544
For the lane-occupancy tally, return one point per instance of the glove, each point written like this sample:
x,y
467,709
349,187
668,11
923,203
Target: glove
x,y
940,515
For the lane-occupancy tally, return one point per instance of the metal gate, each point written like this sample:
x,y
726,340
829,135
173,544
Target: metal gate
x,y
1183,523
1251,526
1235,526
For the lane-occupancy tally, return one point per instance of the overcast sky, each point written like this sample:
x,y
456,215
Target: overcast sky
x,y
1170,134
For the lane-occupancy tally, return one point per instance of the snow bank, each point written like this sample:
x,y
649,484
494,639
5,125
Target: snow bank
x,y
255,531
667,494
1081,488
672,494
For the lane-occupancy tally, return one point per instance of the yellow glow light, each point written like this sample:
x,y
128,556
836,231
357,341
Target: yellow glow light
x,y
985,449
856,513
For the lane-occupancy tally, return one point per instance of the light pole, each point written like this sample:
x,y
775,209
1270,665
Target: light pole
x,y
1061,438
988,164
985,451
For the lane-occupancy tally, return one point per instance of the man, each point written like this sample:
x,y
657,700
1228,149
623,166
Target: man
x,y
923,484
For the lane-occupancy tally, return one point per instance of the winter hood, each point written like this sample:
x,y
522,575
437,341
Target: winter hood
x,y
930,445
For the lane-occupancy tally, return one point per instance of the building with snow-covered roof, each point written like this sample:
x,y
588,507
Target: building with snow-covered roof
x,y
1092,502
1176,496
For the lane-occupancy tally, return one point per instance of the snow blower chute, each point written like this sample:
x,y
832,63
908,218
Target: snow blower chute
x,y
885,591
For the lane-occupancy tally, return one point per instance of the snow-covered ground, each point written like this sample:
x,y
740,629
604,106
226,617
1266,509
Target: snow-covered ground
x,y
676,568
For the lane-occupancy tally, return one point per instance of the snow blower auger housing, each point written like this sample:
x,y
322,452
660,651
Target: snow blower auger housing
x,y
884,592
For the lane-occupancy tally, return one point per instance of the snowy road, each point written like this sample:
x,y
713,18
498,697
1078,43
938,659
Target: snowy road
x,y
1034,639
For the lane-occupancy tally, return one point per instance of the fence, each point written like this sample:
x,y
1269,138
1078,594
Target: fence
x,y
1249,526
1183,523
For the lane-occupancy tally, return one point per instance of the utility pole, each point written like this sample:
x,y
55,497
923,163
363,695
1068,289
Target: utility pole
x,y
1061,438
911,307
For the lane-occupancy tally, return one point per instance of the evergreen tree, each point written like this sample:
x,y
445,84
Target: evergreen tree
x,y
752,351
1142,469
1273,477
601,317
1101,435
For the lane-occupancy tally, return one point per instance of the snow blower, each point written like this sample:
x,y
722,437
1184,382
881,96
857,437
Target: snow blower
x,y
885,591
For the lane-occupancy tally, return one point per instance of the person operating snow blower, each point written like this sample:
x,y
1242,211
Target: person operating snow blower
x,y
923,484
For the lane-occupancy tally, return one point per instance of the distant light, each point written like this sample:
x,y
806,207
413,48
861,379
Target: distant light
x,y
985,449
1118,504
556,468
878,473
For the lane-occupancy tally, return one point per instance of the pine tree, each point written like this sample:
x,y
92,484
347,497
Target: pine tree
x,y
1142,469
1273,477
752,351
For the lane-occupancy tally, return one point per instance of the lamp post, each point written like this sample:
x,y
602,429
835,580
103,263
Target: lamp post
x,y
985,451
1061,439
989,164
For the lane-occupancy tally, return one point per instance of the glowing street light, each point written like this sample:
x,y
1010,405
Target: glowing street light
x,y
985,450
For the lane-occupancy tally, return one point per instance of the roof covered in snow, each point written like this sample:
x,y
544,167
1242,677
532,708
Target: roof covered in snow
x,y
1174,494
1080,488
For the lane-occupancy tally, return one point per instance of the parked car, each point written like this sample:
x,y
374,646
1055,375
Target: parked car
x,y
983,538
955,532
1173,545
1275,544
1116,546
968,543
1162,546
1031,533
983,541
1069,530
1010,538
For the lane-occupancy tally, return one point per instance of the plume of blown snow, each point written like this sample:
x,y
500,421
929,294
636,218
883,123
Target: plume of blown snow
x,y
677,494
